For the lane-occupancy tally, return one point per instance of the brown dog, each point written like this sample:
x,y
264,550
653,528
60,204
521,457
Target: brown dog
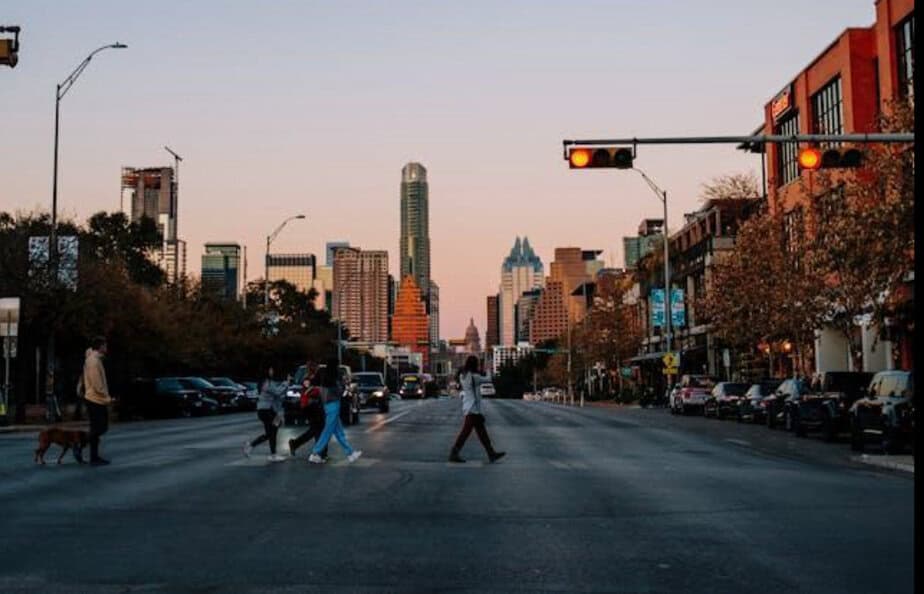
x,y
66,438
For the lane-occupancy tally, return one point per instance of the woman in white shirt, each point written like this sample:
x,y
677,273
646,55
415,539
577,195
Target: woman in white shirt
x,y
470,383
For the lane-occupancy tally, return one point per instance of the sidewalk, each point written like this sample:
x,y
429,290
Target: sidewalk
x,y
35,428
900,463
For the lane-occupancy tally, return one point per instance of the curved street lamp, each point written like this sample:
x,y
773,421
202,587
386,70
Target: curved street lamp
x,y
269,239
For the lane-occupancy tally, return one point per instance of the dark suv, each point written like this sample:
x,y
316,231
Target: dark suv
x,y
752,407
227,398
775,409
162,398
824,407
885,413
372,390
723,401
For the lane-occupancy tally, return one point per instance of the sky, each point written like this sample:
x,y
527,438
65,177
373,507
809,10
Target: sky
x,y
281,108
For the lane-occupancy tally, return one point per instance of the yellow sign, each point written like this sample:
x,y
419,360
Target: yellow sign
x,y
671,370
671,359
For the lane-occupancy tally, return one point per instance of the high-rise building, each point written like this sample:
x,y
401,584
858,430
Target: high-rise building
x,y
410,326
221,269
526,304
492,333
415,225
152,192
521,271
472,338
297,269
650,231
324,285
550,315
556,307
331,247
434,314
360,292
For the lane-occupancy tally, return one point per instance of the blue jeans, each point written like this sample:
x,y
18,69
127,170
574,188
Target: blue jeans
x,y
332,428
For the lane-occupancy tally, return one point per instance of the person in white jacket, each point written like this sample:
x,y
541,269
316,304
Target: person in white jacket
x,y
470,384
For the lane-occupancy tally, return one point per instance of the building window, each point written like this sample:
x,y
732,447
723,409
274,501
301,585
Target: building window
x,y
788,152
828,110
793,229
904,45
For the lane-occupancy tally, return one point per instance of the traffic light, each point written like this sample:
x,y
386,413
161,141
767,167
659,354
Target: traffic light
x,y
9,48
813,159
593,158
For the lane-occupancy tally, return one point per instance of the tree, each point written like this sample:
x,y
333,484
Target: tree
x,y
862,241
731,186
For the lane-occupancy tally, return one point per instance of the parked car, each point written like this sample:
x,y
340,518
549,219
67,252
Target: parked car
x,y
487,390
411,386
673,399
776,413
240,396
227,398
885,413
723,400
154,398
825,406
694,389
370,385
251,394
752,407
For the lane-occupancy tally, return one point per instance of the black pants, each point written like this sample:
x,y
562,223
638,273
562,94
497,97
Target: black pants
x,y
269,429
99,424
473,421
315,416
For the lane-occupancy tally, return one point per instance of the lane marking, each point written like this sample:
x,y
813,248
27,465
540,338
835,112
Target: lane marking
x,y
381,424
740,442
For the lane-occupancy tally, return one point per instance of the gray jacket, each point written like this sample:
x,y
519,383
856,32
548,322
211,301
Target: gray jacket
x,y
471,393
271,396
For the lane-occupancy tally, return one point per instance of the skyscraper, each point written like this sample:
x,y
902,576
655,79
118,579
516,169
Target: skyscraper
x,y
297,269
415,225
492,333
331,247
221,269
410,326
434,313
521,271
360,292
152,192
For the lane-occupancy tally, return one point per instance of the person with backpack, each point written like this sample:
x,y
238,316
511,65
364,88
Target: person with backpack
x,y
331,393
470,383
270,413
312,410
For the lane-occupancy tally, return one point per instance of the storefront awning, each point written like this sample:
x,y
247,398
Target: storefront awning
x,y
647,357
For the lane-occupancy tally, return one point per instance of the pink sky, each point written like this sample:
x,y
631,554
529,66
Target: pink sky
x,y
314,107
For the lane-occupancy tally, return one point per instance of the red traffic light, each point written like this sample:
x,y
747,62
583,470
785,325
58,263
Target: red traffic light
x,y
614,158
812,159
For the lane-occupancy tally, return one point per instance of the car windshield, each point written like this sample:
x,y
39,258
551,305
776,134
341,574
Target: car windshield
x,y
171,384
369,380
735,389
222,381
701,381
196,382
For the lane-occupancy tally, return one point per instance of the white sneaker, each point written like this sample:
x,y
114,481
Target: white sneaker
x,y
315,459
247,449
275,457
354,456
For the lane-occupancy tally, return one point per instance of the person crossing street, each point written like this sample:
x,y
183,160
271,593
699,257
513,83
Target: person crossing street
x,y
473,418
270,413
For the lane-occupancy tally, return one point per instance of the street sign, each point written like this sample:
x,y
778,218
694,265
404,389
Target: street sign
x,y
671,359
626,372
671,370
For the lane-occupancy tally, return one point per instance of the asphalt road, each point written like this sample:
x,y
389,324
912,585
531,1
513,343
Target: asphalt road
x,y
587,500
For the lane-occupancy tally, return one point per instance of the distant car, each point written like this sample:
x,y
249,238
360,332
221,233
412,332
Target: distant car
x,y
673,396
694,390
723,401
251,393
825,406
225,397
370,385
752,407
487,390
411,386
240,398
161,398
885,414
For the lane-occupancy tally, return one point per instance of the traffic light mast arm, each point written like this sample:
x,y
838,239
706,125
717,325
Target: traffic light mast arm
x,y
897,137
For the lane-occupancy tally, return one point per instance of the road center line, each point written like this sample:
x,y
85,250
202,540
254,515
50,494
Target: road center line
x,y
740,442
381,424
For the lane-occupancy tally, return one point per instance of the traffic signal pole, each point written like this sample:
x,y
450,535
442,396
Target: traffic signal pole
x,y
758,139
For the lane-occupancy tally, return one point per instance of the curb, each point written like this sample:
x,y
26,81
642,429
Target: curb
x,y
886,462
37,428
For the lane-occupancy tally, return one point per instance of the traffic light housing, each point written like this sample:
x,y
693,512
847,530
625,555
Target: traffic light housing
x,y
597,158
9,48
812,159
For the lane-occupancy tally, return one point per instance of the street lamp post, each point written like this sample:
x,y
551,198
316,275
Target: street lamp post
x,y
60,91
269,239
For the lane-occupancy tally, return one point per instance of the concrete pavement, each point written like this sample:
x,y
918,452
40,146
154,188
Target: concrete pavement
x,y
595,500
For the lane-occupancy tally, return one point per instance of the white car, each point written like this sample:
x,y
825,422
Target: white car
x,y
487,389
